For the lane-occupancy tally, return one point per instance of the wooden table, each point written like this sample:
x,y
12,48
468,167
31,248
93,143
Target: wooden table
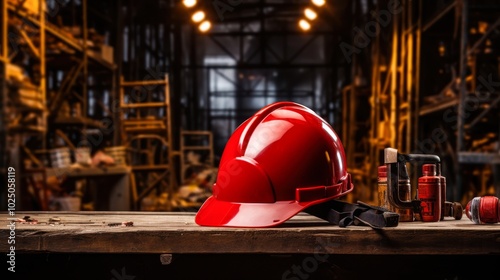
x,y
442,248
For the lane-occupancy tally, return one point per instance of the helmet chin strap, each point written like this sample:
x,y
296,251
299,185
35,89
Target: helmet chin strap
x,y
345,214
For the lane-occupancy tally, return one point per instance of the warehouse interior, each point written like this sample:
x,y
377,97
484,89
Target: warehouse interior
x,y
150,92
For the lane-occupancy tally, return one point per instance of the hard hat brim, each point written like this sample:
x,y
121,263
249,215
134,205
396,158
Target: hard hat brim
x,y
218,213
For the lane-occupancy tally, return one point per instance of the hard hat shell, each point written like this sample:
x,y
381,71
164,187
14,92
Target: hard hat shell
x,y
278,162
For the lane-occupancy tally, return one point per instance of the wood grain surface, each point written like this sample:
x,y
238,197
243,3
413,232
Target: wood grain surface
x,y
176,232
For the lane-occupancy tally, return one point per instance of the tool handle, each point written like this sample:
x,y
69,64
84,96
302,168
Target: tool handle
x,y
421,158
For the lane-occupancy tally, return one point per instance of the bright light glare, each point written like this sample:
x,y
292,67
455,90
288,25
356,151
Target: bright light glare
x,y
189,3
304,24
310,14
198,16
318,3
205,26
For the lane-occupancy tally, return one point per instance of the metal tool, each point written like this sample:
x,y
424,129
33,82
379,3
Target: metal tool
x,y
396,170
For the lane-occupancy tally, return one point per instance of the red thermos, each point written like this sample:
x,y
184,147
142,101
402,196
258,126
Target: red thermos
x,y
429,193
483,210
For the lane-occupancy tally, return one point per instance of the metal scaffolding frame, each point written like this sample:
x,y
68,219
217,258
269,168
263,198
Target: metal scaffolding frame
x,y
147,135
63,77
11,132
250,27
267,58
403,103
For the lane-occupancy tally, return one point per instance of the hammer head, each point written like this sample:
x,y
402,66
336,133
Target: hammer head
x,y
390,155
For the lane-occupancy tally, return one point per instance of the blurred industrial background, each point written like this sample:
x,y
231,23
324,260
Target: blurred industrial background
x,y
127,104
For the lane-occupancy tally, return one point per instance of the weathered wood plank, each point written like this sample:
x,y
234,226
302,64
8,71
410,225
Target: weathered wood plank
x,y
158,232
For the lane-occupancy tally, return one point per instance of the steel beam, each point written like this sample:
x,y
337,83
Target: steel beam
x,y
437,17
464,9
61,36
34,50
484,112
478,158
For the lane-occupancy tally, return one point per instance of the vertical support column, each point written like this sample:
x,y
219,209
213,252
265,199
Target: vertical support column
x,y
401,91
375,109
418,46
345,123
85,62
394,75
195,103
170,139
352,109
410,72
208,110
3,75
3,99
375,95
116,93
462,95
5,28
43,69
121,113
176,89
262,32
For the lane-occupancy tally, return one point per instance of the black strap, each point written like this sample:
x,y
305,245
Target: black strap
x,y
344,214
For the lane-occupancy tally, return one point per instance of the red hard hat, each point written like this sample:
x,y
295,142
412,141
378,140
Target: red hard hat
x,y
280,161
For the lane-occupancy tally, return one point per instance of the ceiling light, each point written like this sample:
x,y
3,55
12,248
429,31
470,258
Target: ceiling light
x,y
304,24
189,3
198,16
318,3
310,14
205,26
